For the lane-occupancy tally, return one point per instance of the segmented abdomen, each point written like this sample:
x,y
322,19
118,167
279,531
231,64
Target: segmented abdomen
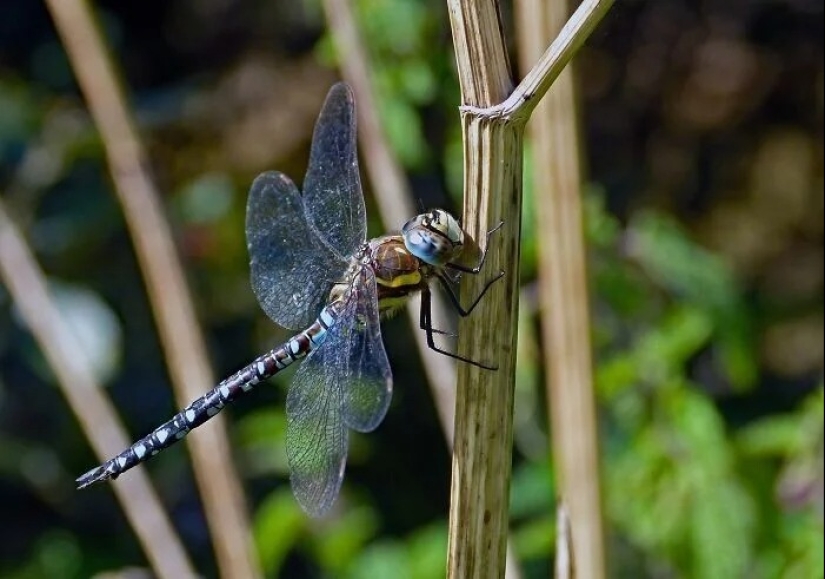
x,y
214,401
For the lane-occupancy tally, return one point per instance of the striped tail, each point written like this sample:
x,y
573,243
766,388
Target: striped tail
x,y
213,401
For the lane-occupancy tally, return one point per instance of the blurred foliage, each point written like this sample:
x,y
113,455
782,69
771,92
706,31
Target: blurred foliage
x,y
703,133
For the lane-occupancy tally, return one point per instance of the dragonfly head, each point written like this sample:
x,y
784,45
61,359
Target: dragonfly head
x,y
435,237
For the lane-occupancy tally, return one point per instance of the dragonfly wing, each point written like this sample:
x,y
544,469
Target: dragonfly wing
x,y
316,438
345,383
332,186
368,387
292,270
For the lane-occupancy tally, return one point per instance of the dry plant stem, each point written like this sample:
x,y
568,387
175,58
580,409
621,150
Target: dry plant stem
x,y
180,335
520,103
492,159
563,291
27,286
484,407
565,568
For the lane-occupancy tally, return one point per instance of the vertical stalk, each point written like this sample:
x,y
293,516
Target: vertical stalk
x,y
180,333
563,291
492,123
141,505
492,193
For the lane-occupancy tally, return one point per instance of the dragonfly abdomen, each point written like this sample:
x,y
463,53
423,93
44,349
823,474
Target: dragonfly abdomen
x,y
215,400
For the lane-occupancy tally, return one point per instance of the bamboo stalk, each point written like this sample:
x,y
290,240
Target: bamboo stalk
x,y
179,331
563,292
492,194
492,184
141,505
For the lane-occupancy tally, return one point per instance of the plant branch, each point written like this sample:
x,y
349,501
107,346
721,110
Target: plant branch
x,y
492,185
563,295
565,563
394,200
179,331
482,458
519,105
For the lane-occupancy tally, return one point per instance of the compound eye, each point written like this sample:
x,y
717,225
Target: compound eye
x,y
415,222
426,241
428,246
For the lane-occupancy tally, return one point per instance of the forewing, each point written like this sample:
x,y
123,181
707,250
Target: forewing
x,y
345,383
332,186
292,270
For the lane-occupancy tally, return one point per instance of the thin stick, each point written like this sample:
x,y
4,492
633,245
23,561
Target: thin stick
x,y
76,380
520,103
179,331
484,408
563,291
565,563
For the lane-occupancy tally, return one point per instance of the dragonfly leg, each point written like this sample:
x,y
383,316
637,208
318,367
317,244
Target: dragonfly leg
x,y
457,303
422,323
426,318
463,312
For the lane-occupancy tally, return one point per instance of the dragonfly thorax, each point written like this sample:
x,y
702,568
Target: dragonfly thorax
x,y
397,272
435,237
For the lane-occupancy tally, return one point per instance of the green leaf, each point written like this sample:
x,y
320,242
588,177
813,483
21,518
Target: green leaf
x,y
262,436
722,518
207,198
696,276
384,559
535,539
402,127
531,489
601,228
277,526
344,538
787,435
664,350
772,436
428,551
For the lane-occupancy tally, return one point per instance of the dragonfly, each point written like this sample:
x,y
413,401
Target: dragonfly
x,y
314,271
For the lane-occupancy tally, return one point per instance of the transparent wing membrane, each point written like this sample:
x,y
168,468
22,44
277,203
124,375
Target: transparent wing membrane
x,y
332,186
292,271
345,383
299,243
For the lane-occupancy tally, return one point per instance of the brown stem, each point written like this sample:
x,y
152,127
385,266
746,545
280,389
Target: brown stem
x,y
179,331
563,295
142,507
484,408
